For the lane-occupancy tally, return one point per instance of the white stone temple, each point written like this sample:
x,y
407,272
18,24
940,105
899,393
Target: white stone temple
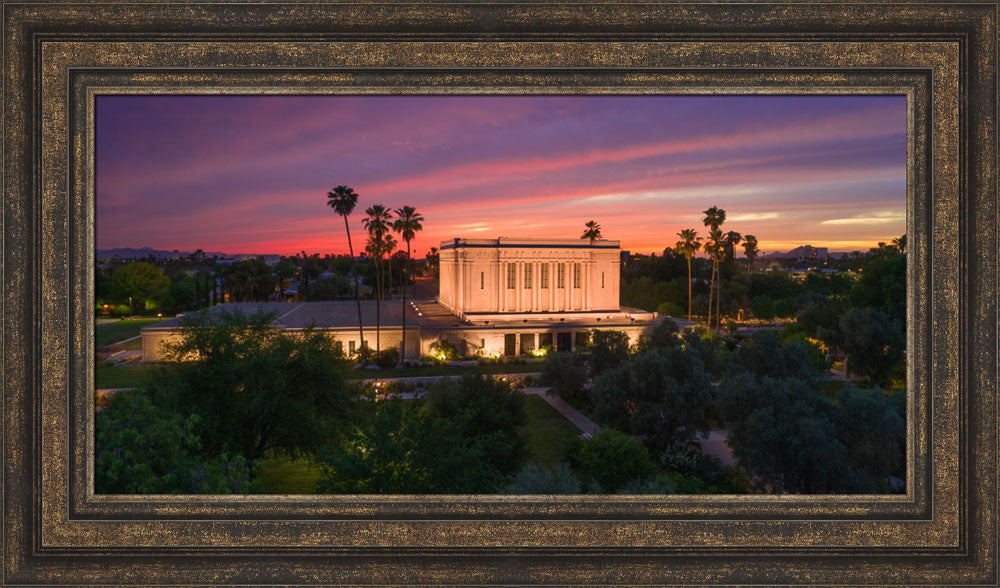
x,y
497,297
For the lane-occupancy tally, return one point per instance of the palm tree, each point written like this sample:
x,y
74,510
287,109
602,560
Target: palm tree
x,y
730,241
713,247
389,246
690,243
343,200
407,224
377,225
714,217
593,232
751,251
900,243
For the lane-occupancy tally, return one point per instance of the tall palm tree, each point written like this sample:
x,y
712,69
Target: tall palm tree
x,y
377,224
714,217
751,251
408,222
343,200
690,243
712,247
593,231
730,241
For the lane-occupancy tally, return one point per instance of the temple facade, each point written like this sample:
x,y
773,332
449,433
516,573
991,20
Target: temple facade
x,y
505,277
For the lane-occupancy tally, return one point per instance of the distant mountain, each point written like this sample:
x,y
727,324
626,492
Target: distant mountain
x,y
804,252
134,252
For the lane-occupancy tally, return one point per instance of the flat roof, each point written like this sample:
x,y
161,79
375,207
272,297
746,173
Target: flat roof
x,y
336,314
538,243
427,314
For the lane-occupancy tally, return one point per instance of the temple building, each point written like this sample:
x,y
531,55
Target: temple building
x,y
497,297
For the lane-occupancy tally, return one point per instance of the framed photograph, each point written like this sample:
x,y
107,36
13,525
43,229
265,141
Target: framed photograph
x,y
500,293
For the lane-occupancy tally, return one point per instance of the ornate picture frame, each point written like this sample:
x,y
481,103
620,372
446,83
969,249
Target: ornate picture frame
x,y
59,56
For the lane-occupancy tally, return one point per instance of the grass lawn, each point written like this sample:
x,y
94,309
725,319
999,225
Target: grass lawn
x,y
112,332
498,368
126,376
832,387
134,345
547,431
285,475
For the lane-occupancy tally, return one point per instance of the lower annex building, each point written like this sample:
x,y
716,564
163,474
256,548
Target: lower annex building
x,y
497,297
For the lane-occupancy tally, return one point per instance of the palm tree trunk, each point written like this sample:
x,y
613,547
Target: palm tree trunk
x,y
402,351
711,289
718,303
689,288
389,273
378,306
357,300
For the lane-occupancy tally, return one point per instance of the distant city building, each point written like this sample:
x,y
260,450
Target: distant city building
x,y
269,258
497,297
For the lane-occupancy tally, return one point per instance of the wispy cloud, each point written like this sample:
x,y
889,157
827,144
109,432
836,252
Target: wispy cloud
x,y
872,218
251,173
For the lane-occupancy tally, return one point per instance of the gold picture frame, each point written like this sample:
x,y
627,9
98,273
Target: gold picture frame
x,y
59,56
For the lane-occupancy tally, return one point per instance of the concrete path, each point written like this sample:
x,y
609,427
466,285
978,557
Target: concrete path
x,y
574,416
715,444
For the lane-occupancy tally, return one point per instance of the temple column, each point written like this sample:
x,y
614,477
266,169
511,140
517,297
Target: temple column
x,y
519,279
552,286
502,286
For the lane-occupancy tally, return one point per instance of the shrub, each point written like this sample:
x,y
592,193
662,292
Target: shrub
x,y
670,309
535,479
444,351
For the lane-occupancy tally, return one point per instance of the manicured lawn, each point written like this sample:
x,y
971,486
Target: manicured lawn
x,y
547,431
285,475
112,332
499,368
134,345
126,376
832,387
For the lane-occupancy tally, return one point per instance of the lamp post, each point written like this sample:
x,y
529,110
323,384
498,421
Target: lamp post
x,y
129,307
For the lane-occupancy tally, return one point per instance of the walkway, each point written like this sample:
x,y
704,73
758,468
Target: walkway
x,y
579,420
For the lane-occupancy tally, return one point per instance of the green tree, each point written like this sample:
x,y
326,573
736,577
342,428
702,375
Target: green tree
x,y
254,386
342,200
464,438
332,288
612,459
882,286
662,394
750,250
688,245
138,281
609,349
873,341
874,433
141,448
408,222
565,374
764,354
284,271
762,307
782,430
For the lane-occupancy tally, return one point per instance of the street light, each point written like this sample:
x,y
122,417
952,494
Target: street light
x,y
129,307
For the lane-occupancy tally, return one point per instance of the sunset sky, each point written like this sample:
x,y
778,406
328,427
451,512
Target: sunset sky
x,y
250,174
